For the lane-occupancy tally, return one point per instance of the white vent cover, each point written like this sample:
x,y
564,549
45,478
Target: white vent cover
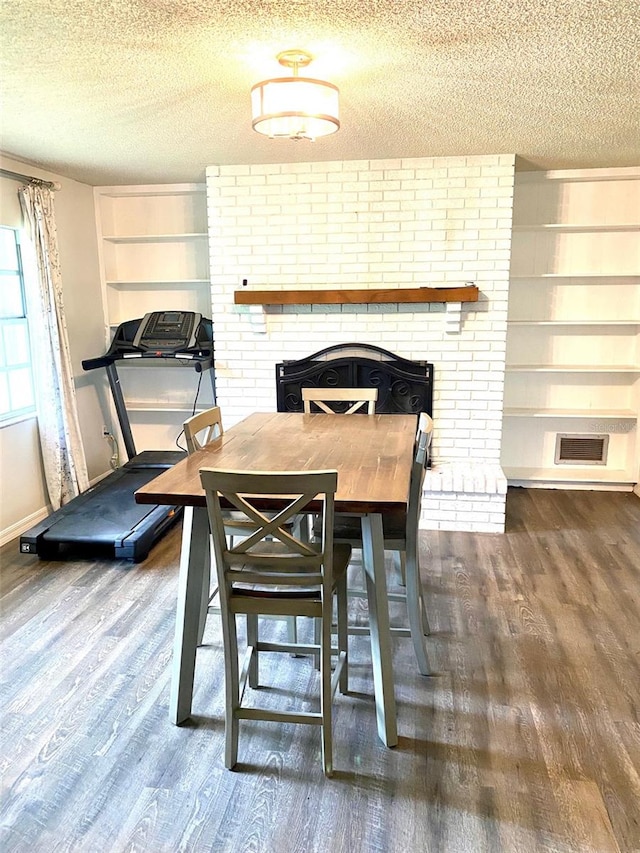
x,y
581,449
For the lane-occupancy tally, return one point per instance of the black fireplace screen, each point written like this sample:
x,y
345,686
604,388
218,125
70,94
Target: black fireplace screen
x,y
404,387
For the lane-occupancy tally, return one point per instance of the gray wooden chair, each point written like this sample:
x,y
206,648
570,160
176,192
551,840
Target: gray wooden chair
x,y
199,431
400,533
274,572
346,400
401,536
202,428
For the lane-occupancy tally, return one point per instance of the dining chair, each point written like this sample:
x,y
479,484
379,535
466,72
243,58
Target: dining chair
x,y
401,536
199,431
202,428
272,571
346,400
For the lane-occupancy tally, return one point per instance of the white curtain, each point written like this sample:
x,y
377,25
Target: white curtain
x,y
62,452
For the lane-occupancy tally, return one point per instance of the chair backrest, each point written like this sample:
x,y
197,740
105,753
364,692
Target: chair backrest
x,y
202,428
271,555
418,472
357,397
425,431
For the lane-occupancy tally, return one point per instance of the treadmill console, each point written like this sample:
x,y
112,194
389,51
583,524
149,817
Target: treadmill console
x,y
167,331
161,334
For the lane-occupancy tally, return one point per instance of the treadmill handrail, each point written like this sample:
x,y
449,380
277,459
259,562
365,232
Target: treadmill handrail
x,y
202,356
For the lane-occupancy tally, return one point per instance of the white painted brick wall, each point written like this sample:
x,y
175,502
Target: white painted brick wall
x,y
370,223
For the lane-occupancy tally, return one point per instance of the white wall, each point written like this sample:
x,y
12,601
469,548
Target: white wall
x,y
19,448
378,223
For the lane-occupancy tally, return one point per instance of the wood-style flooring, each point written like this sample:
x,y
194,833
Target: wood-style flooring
x,y
526,738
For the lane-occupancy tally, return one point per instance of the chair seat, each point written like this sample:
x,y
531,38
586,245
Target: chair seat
x,y
238,520
348,527
341,559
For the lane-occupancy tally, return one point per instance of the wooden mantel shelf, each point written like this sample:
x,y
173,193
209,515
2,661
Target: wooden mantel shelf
x,y
468,293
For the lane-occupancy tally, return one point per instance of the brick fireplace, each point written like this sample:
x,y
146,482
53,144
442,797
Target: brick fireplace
x,y
375,224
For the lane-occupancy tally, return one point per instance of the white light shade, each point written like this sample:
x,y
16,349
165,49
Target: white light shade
x,y
295,107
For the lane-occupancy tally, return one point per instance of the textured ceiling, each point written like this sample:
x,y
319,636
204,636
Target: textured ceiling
x,y
128,91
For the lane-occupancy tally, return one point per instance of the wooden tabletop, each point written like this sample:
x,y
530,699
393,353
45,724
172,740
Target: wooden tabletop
x,y
372,454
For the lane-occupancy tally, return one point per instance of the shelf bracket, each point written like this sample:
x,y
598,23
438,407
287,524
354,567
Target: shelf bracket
x,y
453,318
257,319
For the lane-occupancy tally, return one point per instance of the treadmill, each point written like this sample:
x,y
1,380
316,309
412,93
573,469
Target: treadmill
x,y
105,521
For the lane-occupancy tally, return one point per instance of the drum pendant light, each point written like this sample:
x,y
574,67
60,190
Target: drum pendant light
x,y
294,107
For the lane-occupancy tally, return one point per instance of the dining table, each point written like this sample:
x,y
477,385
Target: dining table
x,y
373,456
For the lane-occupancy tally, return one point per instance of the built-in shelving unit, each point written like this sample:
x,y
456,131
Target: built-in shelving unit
x,y
154,257
573,344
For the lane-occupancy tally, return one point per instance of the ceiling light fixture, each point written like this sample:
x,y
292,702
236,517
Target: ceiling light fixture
x,y
294,107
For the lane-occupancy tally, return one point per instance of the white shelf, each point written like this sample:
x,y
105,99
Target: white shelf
x,y
584,229
632,324
571,176
152,190
579,278
600,414
155,238
573,368
569,473
121,283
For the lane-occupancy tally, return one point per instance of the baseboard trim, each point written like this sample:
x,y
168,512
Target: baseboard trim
x,y
19,527
36,517
568,486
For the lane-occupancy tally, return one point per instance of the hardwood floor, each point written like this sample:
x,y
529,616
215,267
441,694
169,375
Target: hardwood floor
x,y
527,738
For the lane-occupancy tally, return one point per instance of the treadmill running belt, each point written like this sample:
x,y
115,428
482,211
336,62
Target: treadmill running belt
x,y
110,515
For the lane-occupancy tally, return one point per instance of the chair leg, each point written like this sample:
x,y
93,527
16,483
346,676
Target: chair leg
x,y
232,689
426,628
343,633
292,630
206,592
400,563
252,640
325,690
317,639
415,611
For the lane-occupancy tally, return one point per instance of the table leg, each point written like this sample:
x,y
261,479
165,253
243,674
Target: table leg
x,y
194,556
375,573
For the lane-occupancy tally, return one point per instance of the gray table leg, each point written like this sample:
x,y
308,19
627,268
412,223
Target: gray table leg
x,y
375,573
206,592
194,557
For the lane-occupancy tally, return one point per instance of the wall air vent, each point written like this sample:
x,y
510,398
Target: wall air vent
x,y
581,449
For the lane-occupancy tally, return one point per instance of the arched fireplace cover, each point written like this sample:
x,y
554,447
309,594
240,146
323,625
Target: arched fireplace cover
x,y
404,386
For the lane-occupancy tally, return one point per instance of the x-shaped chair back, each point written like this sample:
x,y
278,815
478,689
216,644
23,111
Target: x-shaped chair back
x,y
357,397
202,428
271,554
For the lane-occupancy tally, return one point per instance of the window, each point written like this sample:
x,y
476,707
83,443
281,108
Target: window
x,y
16,380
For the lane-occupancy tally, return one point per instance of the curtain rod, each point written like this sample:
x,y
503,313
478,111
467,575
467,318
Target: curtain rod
x,y
19,177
